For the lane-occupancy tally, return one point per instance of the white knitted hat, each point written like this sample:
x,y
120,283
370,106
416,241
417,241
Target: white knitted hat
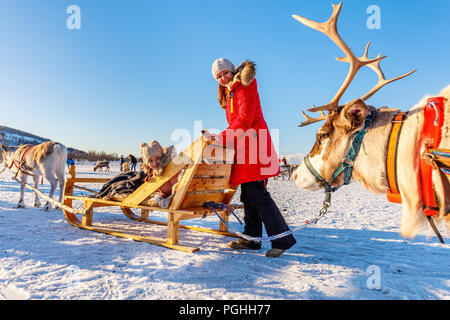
x,y
151,150
220,65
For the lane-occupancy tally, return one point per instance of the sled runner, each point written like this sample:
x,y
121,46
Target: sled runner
x,y
207,169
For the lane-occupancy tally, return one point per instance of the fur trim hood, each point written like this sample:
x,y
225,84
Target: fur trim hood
x,y
245,74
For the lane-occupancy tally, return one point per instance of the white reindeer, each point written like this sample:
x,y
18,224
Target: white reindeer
x,y
335,138
47,159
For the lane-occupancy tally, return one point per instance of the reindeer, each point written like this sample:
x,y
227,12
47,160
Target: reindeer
x,y
343,122
47,159
101,164
286,171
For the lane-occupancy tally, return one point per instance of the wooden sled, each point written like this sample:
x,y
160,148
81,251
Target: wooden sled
x,y
206,178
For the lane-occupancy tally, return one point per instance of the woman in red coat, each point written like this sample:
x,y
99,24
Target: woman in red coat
x,y
255,156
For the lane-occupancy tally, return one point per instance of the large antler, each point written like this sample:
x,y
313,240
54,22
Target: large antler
x,y
329,28
375,66
310,120
381,79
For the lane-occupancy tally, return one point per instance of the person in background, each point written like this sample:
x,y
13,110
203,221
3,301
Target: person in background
x,y
122,160
133,161
70,162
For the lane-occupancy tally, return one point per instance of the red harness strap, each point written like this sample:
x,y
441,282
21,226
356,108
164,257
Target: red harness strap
x,y
431,137
22,161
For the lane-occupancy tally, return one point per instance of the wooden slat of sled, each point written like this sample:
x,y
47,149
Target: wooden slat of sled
x,y
120,233
173,220
198,184
183,185
215,152
214,170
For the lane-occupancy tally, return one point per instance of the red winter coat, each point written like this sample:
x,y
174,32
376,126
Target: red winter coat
x,y
255,156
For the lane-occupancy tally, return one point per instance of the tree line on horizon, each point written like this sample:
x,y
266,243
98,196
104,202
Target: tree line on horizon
x,y
18,137
93,155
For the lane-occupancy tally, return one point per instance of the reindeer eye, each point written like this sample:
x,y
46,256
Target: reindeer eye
x,y
321,135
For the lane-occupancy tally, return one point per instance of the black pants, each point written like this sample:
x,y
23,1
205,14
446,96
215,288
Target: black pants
x,y
260,208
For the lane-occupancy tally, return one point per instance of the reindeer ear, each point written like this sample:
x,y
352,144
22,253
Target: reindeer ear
x,y
354,114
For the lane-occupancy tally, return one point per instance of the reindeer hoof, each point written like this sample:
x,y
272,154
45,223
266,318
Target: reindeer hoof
x,y
20,206
47,207
37,205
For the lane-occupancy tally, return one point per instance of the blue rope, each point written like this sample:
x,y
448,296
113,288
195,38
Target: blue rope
x,y
441,153
214,205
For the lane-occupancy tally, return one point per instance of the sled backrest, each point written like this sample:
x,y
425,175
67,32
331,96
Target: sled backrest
x,y
207,168
208,179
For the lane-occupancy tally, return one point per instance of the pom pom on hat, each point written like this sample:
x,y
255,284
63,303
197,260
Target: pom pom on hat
x,y
151,150
220,65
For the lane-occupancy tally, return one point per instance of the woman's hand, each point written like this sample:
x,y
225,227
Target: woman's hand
x,y
209,136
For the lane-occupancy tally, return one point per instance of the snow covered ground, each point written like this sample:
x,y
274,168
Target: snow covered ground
x,y
355,252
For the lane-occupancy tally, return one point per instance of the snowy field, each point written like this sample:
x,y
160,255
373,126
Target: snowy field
x,y
354,252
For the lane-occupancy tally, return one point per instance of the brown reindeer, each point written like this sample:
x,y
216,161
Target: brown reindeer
x,y
343,122
102,164
47,159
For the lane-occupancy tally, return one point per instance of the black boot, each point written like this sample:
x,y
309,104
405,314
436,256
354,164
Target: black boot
x,y
243,244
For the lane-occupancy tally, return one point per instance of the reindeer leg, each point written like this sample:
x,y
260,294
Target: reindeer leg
x,y
61,180
23,180
53,182
37,203
413,217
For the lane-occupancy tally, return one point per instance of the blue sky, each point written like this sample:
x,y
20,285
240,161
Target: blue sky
x,y
141,70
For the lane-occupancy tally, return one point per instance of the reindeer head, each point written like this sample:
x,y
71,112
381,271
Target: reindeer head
x,y
335,137
6,152
3,151
2,154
